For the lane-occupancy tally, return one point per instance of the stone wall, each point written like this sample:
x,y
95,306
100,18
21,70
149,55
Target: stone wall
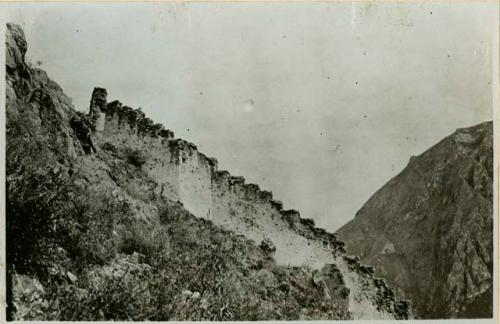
x,y
191,177
187,175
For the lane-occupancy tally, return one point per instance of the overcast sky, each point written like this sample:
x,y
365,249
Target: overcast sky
x,y
321,103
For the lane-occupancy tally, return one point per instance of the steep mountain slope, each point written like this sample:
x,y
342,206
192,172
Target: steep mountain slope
x,y
105,221
429,230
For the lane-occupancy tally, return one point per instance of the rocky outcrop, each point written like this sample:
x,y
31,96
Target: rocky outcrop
x,y
429,230
30,91
15,53
169,169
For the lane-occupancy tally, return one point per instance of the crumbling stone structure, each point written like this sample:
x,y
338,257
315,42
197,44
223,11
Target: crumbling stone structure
x,y
186,175
98,104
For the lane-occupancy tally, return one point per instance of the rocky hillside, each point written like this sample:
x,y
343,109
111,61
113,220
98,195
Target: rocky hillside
x,y
98,230
429,230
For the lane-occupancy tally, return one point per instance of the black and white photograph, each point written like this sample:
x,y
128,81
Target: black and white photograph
x,y
250,161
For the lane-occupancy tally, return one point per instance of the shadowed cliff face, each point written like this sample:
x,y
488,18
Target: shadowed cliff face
x,y
144,227
429,230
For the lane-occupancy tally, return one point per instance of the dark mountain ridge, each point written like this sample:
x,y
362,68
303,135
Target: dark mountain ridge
x,y
429,230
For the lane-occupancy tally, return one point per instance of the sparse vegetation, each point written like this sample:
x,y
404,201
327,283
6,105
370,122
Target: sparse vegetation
x,y
183,269
86,257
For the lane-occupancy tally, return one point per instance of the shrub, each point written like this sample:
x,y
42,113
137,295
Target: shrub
x,y
109,147
136,158
150,240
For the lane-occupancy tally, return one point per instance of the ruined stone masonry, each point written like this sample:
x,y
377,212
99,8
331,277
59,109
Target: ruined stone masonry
x,y
97,111
189,176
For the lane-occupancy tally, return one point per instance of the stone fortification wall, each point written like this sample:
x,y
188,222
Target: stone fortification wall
x,y
187,175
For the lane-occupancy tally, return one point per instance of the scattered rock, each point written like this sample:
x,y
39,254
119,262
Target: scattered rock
x,y
71,276
267,246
